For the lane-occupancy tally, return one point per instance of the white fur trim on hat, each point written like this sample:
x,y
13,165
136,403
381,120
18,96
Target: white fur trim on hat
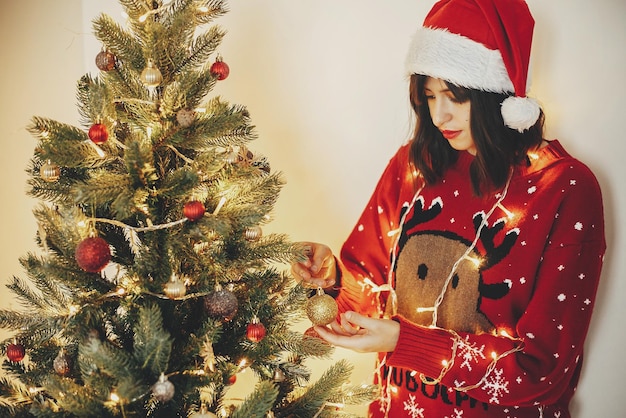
x,y
520,112
455,58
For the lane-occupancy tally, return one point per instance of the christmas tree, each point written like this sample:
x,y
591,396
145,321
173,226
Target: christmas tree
x,y
154,285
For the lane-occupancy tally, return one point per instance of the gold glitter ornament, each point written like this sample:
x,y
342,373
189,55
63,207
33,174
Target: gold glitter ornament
x,y
321,308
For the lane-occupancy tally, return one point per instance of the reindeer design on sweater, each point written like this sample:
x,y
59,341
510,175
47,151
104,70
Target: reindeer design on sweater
x,y
425,260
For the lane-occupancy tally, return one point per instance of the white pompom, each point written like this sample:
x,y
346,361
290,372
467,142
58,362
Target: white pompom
x,y
520,112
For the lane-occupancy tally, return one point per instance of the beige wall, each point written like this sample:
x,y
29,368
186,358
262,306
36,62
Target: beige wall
x,y
41,49
324,82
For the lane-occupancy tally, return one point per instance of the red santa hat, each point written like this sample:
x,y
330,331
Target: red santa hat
x,y
483,45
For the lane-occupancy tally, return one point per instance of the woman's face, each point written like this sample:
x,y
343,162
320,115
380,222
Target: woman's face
x,y
449,115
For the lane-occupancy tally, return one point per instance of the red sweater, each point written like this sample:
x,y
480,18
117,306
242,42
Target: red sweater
x,y
520,279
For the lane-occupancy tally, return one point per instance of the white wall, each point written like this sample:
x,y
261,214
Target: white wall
x,y
325,85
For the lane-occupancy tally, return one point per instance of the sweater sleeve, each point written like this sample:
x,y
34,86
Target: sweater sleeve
x,y
536,362
365,254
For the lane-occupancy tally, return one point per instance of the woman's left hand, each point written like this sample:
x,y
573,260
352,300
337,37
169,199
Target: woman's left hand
x,y
361,333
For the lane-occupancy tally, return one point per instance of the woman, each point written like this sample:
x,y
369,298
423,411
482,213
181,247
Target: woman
x,y
474,267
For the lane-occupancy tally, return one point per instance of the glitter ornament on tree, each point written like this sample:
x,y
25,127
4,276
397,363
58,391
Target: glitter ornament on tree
x,y
163,389
98,133
50,172
321,308
221,304
219,68
62,364
194,210
93,254
151,76
16,352
185,117
255,331
105,60
310,332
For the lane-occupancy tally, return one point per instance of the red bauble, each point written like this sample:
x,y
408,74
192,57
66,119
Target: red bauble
x,y
98,133
16,352
93,254
193,210
220,69
255,331
232,379
105,61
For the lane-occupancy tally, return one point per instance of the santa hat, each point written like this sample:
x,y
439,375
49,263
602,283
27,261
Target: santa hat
x,y
483,45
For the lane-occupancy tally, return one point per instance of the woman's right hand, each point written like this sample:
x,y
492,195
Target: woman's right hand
x,y
319,269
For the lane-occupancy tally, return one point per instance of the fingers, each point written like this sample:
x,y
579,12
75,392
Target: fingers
x,y
361,333
318,270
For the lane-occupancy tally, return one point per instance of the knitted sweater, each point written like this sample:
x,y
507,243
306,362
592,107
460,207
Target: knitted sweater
x,y
493,295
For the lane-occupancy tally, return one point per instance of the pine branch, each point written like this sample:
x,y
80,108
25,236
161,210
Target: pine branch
x,y
107,359
314,398
199,52
16,320
153,345
258,403
77,399
120,42
13,395
102,188
27,297
220,123
274,247
355,394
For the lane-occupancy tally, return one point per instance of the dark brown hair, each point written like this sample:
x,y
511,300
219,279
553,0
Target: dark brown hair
x,y
498,147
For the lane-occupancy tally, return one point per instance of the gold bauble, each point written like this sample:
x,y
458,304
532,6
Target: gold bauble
x,y
151,76
321,308
253,233
50,172
175,288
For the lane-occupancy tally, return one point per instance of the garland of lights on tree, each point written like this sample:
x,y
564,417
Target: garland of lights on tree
x,y
154,285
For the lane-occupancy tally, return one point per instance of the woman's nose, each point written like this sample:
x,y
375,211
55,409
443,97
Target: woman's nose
x,y
439,112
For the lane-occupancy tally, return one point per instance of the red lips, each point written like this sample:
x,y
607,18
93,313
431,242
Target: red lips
x,y
450,134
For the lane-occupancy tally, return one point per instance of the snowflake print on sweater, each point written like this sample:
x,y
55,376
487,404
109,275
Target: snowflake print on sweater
x,y
496,385
413,408
469,353
511,315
